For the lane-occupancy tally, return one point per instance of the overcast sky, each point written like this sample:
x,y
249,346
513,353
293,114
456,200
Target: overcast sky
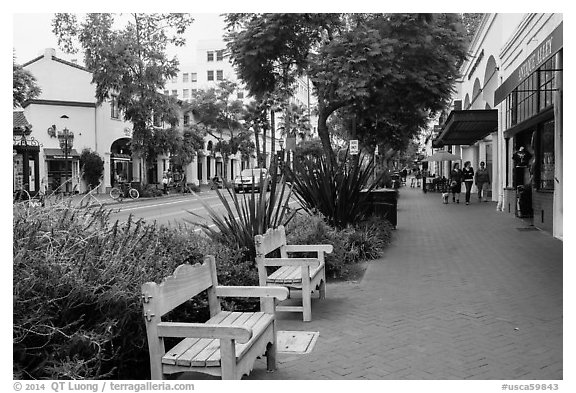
x,y
33,34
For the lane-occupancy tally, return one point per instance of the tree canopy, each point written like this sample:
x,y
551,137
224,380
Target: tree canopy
x,y
24,85
392,72
129,63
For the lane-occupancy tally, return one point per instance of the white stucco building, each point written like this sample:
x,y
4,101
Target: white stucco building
x,y
509,101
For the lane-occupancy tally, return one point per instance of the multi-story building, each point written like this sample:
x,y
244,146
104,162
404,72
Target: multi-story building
x,y
211,65
507,112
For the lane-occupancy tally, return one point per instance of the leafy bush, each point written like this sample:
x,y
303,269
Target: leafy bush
x,y
352,244
250,216
150,190
193,187
92,166
76,290
335,192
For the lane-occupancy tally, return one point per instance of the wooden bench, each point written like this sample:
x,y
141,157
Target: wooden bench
x,y
227,344
298,274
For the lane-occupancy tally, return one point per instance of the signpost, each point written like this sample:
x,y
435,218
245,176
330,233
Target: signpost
x,y
354,146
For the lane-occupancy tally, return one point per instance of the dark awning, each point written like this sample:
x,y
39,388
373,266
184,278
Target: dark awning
x,y
467,127
58,154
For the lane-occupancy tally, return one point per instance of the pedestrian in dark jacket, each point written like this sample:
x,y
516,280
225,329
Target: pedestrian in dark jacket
x,y
456,182
468,177
482,179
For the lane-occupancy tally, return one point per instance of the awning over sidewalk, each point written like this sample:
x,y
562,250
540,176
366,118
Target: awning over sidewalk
x,y
58,154
466,127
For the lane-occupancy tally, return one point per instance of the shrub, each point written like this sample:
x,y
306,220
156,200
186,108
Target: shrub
x,y
252,215
352,244
193,187
92,166
335,192
150,190
76,290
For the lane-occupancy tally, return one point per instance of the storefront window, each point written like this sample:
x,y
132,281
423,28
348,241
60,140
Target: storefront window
x,y
531,96
547,82
546,156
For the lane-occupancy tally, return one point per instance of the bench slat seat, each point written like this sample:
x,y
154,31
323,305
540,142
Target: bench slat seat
x,y
205,352
291,275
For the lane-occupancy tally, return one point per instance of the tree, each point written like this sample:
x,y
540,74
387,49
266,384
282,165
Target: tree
x,y
362,61
24,85
308,148
218,112
471,23
295,121
255,119
190,144
92,167
129,63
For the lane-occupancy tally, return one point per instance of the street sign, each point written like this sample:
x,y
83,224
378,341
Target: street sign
x,y
354,146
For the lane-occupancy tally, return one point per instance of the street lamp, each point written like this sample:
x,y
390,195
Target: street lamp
x,y
66,138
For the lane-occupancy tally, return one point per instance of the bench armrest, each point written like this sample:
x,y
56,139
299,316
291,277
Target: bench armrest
x,y
311,262
279,293
204,330
327,248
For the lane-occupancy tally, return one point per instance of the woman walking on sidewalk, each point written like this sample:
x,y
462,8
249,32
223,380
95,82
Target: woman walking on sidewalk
x,y
468,177
482,178
456,182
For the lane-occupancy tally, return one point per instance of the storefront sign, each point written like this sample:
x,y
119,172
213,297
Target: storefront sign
x,y
58,154
549,47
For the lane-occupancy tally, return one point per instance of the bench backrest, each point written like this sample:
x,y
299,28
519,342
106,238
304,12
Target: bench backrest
x,y
272,240
186,282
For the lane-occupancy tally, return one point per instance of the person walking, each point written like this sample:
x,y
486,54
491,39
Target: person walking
x,y
482,180
165,183
468,177
456,182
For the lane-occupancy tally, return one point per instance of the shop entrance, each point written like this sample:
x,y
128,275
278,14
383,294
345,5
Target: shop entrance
x,y
26,164
120,162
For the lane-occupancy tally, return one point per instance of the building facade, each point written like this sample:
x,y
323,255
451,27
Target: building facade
x,y
68,102
507,112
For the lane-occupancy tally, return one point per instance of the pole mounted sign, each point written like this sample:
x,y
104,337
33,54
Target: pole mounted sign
x,y
354,146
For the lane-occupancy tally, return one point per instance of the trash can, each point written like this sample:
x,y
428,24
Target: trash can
x,y
383,202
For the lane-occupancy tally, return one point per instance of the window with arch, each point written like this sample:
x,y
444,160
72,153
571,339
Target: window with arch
x,y
476,90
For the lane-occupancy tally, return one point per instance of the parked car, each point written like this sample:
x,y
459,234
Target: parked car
x,y
251,178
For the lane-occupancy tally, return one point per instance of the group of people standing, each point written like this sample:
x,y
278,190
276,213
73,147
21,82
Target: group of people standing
x,y
467,176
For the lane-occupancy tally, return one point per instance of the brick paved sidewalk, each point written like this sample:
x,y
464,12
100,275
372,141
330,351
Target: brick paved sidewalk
x,y
460,294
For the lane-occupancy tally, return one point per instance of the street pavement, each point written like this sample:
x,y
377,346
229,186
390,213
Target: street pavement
x,y
463,292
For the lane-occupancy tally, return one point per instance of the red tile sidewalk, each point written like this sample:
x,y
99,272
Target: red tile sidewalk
x,y
460,294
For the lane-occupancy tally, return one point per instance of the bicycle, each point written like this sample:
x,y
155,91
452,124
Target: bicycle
x,y
22,196
125,190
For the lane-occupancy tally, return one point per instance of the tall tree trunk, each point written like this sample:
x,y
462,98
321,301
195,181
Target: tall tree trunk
x,y
257,142
139,128
324,135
